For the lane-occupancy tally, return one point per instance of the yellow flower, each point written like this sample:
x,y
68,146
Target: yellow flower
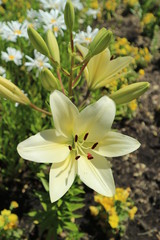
x,y
14,204
2,221
133,105
132,212
113,218
13,218
122,194
94,4
148,18
94,211
5,212
141,72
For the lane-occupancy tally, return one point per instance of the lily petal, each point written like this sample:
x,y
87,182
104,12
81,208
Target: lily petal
x,y
96,174
96,119
64,113
44,147
111,70
61,177
116,144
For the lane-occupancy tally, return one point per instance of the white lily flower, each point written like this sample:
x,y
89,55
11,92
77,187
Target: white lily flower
x,y
39,62
12,55
86,37
100,70
78,145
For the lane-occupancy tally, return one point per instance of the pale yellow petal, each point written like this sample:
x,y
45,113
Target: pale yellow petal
x,y
61,177
96,119
47,147
96,174
64,113
116,144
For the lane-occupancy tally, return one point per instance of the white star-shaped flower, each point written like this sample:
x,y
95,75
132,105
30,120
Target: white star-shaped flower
x,y
86,37
79,144
12,55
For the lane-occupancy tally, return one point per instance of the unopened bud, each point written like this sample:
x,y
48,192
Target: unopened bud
x,y
99,43
130,92
10,91
53,46
49,82
37,41
69,15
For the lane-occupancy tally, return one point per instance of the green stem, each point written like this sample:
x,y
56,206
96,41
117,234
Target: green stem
x,y
78,76
60,80
39,109
72,65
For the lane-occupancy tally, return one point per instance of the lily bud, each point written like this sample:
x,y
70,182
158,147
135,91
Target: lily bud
x,y
49,82
10,91
37,41
69,15
53,46
130,92
99,43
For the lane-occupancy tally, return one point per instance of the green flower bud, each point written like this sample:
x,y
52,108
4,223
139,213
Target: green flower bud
x,y
99,43
69,15
49,82
53,46
37,41
10,91
130,92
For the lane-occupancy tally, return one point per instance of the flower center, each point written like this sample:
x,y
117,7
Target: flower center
x,y
11,57
17,32
88,39
55,29
82,148
53,20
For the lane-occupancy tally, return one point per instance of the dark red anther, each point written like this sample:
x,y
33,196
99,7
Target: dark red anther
x,y
77,157
89,156
94,145
70,148
76,138
85,136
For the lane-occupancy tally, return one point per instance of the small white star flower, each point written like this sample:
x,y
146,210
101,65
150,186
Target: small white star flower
x,y
52,4
93,12
2,72
53,20
79,144
14,29
39,62
86,37
12,55
32,18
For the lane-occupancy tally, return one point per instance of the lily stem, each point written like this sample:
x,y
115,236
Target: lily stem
x,y
78,76
39,109
60,80
72,65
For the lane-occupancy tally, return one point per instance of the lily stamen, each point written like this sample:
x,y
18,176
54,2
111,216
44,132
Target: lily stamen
x,y
94,145
77,157
76,138
85,136
70,148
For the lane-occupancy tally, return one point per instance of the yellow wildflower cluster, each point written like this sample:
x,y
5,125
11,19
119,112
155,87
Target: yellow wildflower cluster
x,y
94,4
9,220
131,3
16,9
123,47
111,5
115,207
148,18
